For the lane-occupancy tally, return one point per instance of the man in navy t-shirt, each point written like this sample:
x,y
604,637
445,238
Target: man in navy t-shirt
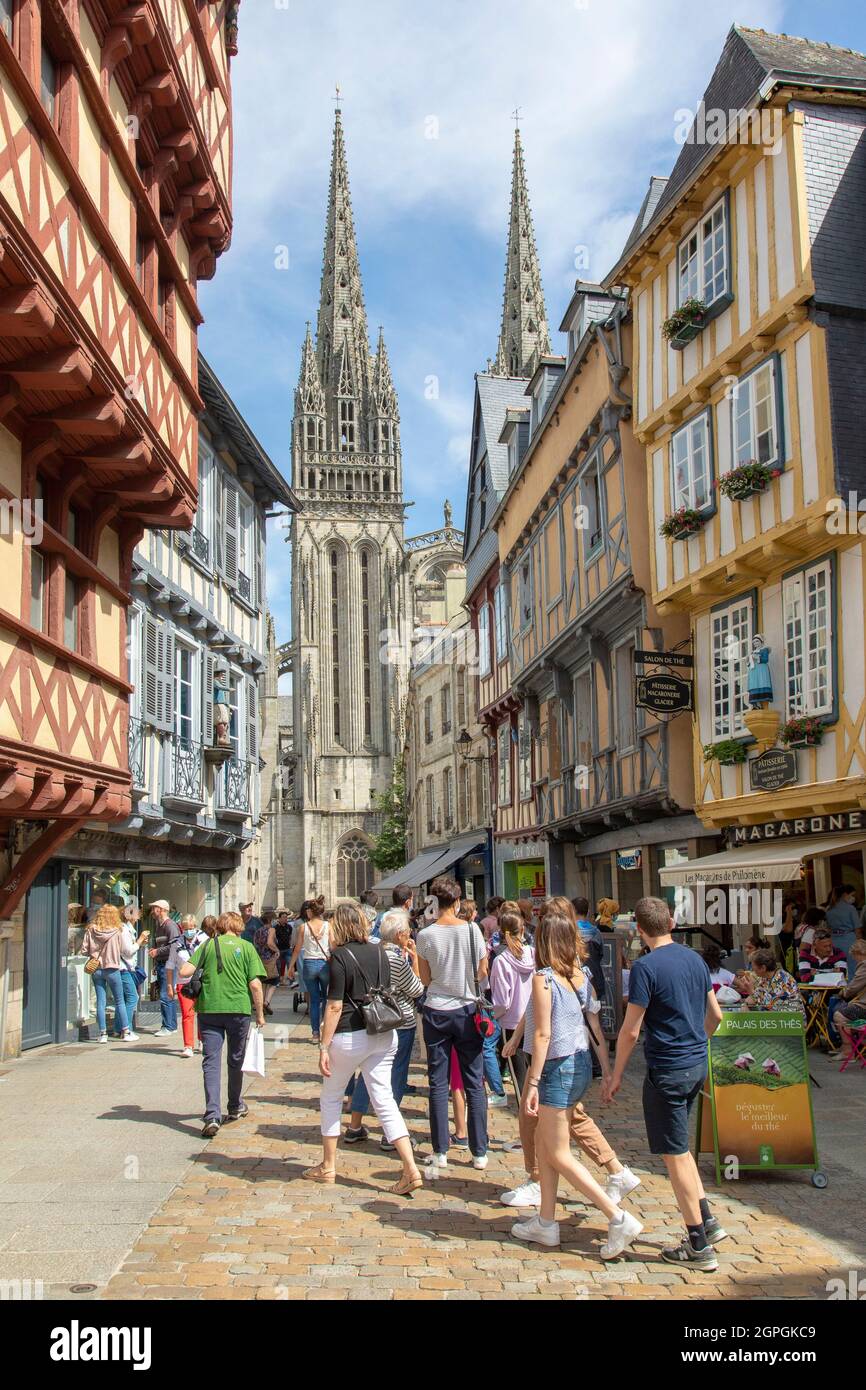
x,y
671,996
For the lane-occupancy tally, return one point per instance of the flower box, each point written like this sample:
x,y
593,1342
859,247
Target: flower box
x,y
682,524
806,732
685,323
727,753
747,480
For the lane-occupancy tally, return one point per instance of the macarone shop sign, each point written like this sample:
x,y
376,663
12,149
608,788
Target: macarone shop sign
x,y
799,825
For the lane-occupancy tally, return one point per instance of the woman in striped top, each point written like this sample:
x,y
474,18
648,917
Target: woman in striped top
x,y
557,1034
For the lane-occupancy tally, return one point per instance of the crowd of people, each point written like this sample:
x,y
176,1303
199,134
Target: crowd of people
x,y
510,995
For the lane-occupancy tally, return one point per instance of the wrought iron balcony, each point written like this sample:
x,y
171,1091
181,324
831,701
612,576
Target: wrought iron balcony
x,y
244,585
234,788
184,768
200,545
137,752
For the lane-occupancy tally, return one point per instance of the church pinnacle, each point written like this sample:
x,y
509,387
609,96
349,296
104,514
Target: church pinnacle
x,y
342,316
525,335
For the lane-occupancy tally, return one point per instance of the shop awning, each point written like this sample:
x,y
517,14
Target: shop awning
x,y
771,861
412,874
466,844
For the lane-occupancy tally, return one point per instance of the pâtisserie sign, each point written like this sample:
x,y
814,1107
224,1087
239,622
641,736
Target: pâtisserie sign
x,y
664,694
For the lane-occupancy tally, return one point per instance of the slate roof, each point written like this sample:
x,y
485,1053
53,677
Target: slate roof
x,y
748,60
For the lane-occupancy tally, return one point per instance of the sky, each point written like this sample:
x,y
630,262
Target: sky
x,y
428,92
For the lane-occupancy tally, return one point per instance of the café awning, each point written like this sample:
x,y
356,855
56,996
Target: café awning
x,y
771,861
466,844
413,874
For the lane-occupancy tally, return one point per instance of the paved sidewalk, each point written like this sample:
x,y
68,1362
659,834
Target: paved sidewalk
x,y
243,1223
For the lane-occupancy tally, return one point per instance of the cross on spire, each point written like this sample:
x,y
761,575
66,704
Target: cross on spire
x,y
515,116
338,98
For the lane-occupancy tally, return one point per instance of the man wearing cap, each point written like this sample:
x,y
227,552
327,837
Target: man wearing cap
x,y
166,933
251,923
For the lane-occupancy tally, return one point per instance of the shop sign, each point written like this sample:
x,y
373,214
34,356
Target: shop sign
x,y
799,825
774,769
664,694
681,659
628,859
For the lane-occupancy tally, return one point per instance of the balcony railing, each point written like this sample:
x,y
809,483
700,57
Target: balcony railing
x,y
200,545
137,752
244,585
185,768
235,787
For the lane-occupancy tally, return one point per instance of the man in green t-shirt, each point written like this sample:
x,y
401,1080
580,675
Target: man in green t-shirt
x,y
231,990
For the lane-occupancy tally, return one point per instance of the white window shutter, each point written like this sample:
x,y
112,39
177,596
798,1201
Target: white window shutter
x,y
230,532
252,720
208,736
150,663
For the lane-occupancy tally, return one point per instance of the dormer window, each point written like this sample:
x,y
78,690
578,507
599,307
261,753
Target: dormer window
x,y
703,258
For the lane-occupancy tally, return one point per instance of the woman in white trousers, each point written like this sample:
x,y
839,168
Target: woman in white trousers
x,y
357,965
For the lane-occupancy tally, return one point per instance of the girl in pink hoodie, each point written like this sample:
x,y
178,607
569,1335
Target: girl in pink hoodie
x,y
511,971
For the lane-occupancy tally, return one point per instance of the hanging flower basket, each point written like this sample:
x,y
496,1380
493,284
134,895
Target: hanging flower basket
x,y
805,732
728,752
747,479
685,323
681,524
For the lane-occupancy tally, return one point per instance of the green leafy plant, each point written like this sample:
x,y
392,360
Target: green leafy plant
x,y
746,479
389,846
727,752
689,314
726,1074
684,522
805,729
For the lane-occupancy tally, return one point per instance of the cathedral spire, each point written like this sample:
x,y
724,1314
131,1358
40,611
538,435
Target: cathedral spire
x,y
309,396
524,336
342,317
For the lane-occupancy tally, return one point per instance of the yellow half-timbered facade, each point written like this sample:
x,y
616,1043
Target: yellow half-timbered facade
x,y
748,296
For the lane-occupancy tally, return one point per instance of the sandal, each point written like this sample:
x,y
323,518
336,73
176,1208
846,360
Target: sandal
x,y
407,1185
320,1174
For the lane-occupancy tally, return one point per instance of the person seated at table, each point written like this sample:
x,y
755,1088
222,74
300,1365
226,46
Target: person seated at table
x,y
712,954
821,956
745,982
754,943
813,918
849,1005
776,989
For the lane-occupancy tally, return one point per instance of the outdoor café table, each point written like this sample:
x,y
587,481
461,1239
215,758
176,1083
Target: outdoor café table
x,y
816,999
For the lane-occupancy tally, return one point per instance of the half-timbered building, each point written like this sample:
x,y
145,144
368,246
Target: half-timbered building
x,y
115,173
748,296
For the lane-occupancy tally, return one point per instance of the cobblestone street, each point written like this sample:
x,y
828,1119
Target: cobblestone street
x,y
243,1224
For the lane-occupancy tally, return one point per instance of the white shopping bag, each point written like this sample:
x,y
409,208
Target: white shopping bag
x,y
254,1055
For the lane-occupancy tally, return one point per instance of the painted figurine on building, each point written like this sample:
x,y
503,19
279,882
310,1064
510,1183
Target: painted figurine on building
x,y
760,682
221,714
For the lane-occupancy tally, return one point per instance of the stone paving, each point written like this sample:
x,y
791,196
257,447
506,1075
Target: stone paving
x,y
243,1224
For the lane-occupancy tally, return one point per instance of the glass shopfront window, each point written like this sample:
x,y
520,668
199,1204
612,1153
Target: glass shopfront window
x,y
89,886
184,890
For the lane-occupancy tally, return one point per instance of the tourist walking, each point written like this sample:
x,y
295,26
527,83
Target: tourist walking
x,y
396,938
452,962
103,942
131,942
312,941
166,934
182,949
511,972
557,1039
283,932
671,997
358,965
231,989
594,944
265,942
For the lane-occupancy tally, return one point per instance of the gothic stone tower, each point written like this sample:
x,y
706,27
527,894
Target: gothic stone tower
x,y
349,584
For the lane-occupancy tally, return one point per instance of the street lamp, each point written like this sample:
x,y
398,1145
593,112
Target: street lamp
x,y
464,743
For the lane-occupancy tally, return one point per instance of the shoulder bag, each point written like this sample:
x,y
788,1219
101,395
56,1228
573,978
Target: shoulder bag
x,y
485,1023
379,1008
193,987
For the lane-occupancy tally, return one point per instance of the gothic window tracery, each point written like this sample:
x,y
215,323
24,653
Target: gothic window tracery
x,y
354,867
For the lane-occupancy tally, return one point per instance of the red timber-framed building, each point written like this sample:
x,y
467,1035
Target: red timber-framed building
x,y
115,200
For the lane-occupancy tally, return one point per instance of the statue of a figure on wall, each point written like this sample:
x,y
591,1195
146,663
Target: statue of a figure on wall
x,y
222,714
759,685
447,512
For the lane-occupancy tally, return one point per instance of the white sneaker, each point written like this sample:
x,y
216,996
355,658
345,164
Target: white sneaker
x,y
620,1184
129,1036
164,1033
621,1231
480,1161
434,1166
187,1052
527,1195
533,1229
496,1102
103,1037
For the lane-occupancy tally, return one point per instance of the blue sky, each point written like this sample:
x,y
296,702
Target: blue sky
x,y
598,83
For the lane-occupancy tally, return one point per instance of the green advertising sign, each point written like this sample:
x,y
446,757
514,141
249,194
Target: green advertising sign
x,y
760,1095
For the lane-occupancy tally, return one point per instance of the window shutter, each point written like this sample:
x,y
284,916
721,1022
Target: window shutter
x,y
150,663
259,562
230,532
252,721
207,702
167,679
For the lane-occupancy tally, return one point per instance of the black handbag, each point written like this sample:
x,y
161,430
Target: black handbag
x,y
379,1008
193,987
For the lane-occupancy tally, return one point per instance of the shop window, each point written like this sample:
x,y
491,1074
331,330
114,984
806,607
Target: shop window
x,y
500,606
691,464
524,757
70,612
731,642
809,647
38,590
625,712
48,82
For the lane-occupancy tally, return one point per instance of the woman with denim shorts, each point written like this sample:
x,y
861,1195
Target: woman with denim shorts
x,y
557,1037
